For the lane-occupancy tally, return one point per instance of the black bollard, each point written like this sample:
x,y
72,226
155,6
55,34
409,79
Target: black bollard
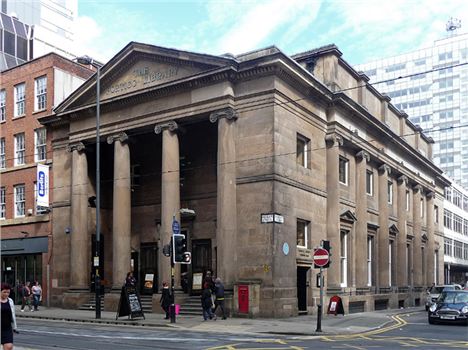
x,y
319,318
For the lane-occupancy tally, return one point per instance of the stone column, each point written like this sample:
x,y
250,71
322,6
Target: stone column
x,y
430,250
383,236
402,268
417,266
333,142
226,231
359,277
122,210
170,192
79,237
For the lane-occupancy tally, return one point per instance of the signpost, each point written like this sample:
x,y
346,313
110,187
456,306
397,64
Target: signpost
x,y
321,260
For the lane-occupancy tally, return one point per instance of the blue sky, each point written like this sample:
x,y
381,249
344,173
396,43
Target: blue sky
x,y
362,29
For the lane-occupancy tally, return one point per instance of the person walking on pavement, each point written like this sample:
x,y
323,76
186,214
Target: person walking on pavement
x,y
130,281
8,318
26,300
207,303
219,294
166,299
37,295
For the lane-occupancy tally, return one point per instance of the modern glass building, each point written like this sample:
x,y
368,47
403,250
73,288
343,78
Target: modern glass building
x,y
431,86
30,29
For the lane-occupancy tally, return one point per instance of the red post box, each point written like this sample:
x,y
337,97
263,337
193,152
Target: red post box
x,y
243,297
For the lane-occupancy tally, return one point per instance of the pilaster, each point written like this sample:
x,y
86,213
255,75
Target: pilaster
x,y
401,261
383,236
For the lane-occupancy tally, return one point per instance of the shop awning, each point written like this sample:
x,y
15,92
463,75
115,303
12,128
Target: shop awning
x,y
17,246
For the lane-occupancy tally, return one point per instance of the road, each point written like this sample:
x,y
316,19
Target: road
x,y
407,331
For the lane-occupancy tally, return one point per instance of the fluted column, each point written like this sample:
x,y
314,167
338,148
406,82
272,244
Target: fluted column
x,y
122,210
360,238
170,191
417,258
79,238
402,268
333,142
226,231
383,237
430,238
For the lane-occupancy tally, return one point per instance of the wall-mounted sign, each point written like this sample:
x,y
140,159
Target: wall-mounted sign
x,y
285,248
42,185
272,217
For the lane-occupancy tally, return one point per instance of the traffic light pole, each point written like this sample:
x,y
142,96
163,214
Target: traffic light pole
x,y
320,306
172,307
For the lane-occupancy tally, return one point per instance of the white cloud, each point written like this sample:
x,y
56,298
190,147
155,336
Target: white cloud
x,y
87,31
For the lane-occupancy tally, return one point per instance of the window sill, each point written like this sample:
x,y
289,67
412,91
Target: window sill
x,y
19,116
40,111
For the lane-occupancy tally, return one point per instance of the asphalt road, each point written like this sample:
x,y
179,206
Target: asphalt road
x,y
407,331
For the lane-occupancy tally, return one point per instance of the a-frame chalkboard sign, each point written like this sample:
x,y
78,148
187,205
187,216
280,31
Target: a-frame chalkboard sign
x,y
129,304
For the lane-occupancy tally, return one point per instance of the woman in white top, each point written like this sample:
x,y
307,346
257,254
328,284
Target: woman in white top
x,y
37,293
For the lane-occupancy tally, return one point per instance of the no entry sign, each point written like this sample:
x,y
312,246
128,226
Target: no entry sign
x,y
321,257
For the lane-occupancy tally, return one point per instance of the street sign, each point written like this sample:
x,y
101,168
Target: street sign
x,y
175,227
321,257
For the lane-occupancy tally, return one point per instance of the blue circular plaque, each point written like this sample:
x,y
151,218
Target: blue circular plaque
x,y
285,248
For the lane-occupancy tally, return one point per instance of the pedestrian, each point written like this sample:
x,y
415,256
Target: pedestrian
x,y
130,281
207,303
166,299
26,300
8,318
37,295
219,295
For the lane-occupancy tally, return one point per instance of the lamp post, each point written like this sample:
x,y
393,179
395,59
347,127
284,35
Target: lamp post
x,y
86,60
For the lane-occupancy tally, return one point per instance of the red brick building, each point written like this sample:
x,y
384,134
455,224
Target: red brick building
x,y
28,92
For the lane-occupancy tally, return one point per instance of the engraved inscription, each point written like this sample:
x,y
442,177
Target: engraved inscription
x,y
142,77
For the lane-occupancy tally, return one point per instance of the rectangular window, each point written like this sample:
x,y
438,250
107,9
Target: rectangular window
x,y
19,149
407,200
390,263
19,201
40,149
447,246
303,151
302,233
421,207
369,182
2,203
40,94
2,154
436,214
408,264
19,99
344,258
390,192
343,170
370,242
423,262
2,105
447,219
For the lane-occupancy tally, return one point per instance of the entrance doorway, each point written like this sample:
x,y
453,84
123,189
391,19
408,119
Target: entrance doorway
x,y
201,260
302,289
148,275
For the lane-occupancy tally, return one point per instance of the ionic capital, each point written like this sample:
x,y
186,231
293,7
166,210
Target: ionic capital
x,y
384,168
430,195
171,126
331,139
121,136
417,188
403,179
228,113
363,155
76,146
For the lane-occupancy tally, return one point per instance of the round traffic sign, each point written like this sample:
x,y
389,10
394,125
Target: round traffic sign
x,y
321,257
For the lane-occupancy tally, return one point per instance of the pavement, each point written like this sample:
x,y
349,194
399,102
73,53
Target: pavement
x,y
300,325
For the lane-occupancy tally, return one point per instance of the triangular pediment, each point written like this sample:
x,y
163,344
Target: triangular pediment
x,y
348,216
141,67
393,230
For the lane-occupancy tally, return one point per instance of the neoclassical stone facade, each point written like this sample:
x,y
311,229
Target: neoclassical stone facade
x,y
214,142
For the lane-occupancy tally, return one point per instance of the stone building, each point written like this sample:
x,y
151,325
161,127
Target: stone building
x,y
27,92
215,142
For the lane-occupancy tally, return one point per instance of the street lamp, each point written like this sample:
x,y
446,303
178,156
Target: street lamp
x,y
86,60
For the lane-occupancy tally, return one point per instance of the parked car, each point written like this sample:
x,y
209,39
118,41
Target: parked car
x,y
451,306
434,292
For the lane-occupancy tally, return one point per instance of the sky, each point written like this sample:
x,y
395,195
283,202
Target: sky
x,y
363,30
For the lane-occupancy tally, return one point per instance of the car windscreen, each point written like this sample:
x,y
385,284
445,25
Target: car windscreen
x,y
436,290
453,298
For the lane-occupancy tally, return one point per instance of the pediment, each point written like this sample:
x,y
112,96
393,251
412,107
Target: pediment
x,y
393,230
348,216
140,67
